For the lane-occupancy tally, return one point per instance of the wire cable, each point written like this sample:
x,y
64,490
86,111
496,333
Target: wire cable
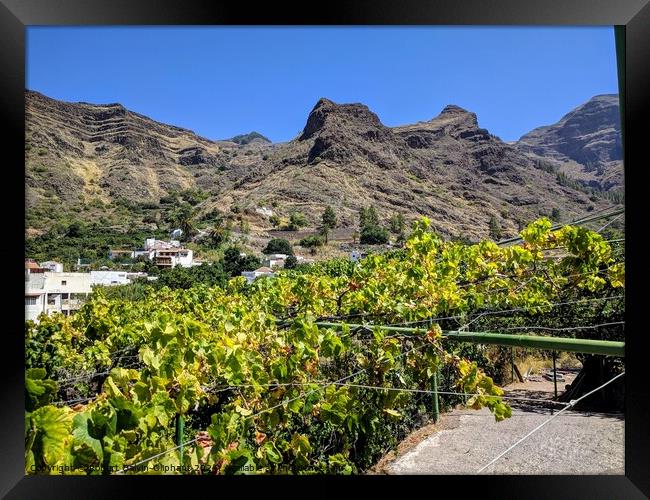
x,y
571,404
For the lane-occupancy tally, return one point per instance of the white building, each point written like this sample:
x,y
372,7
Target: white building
x,y
48,292
166,254
277,256
50,265
253,275
147,254
275,260
117,253
172,257
108,278
111,278
357,255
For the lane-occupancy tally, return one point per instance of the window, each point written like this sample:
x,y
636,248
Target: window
x,y
64,283
30,301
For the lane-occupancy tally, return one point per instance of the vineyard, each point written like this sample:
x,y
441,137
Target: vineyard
x,y
243,379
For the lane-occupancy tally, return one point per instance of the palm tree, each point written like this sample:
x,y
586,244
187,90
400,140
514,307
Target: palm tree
x,y
182,218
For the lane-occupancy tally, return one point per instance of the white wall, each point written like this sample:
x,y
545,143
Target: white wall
x,y
185,260
32,311
55,267
147,254
67,283
108,278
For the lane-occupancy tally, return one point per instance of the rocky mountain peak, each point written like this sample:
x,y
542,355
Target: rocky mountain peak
x,y
458,115
327,114
251,137
589,137
589,134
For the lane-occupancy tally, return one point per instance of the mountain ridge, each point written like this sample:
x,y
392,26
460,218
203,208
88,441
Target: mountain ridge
x,y
448,168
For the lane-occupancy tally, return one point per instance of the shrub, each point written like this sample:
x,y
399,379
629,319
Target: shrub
x,y
291,262
296,221
374,235
495,229
278,245
555,214
311,241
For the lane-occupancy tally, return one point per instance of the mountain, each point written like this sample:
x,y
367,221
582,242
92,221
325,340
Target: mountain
x,y
585,143
244,139
107,164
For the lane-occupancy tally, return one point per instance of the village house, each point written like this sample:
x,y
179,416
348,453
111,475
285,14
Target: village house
x,y
50,265
111,278
120,253
48,292
253,275
275,260
357,255
165,254
172,257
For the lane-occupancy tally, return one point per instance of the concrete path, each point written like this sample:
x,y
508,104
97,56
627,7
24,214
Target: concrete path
x,y
465,440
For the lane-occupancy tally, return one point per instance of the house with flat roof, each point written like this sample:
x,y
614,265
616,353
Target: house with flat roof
x,y
253,275
165,254
48,292
52,266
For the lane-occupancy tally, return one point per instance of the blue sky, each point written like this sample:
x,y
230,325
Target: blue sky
x,y
223,81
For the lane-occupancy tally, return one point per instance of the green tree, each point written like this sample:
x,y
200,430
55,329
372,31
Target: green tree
x,y
495,228
182,217
218,235
368,217
75,230
374,235
324,231
397,223
311,241
278,245
234,263
329,218
555,214
296,221
275,221
186,277
291,262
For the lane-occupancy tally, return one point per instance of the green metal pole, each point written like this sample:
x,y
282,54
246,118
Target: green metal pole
x,y
180,427
584,220
434,388
587,346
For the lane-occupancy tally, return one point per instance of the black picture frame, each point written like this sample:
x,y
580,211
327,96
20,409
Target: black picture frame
x,y
634,15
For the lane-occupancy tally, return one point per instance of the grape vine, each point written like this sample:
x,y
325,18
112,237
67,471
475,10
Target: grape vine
x,y
248,370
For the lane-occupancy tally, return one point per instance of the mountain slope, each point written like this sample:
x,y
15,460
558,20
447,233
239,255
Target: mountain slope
x,y
586,142
105,163
448,169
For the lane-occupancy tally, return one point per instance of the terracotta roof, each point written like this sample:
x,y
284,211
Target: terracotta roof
x,y
30,264
264,270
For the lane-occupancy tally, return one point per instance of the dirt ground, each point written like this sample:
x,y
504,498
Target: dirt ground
x,y
465,440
